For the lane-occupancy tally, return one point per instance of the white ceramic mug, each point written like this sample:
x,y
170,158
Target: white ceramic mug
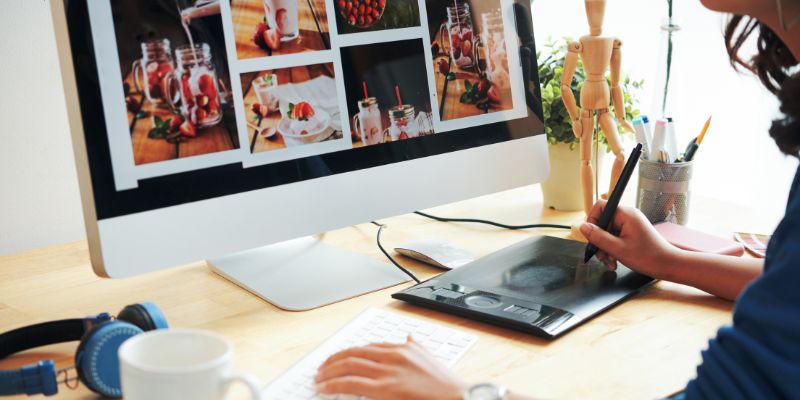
x,y
176,364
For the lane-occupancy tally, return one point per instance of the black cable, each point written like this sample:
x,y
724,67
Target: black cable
x,y
497,224
396,264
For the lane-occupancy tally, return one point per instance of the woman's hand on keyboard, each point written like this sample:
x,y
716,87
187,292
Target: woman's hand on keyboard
x,y
388,371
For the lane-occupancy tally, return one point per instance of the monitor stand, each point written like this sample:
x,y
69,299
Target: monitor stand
x,y
304,274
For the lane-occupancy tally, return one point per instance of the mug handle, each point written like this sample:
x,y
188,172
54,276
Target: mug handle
x,y
476,55
137,69
442,38
357,126
248,380
172,101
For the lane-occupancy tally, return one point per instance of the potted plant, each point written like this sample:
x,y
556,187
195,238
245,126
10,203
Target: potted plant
x,y
562,191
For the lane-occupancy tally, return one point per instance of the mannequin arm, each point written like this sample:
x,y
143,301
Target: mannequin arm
x,y
616,90
570,66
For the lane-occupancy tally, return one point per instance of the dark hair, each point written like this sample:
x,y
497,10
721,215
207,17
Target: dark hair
x,y
771,64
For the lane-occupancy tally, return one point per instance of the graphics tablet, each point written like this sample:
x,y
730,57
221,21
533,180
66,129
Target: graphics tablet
x,y
539,286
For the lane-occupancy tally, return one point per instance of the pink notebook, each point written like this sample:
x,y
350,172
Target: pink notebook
x,y
691,240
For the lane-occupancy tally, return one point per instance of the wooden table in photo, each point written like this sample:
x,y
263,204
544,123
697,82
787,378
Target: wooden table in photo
x,y
450,104
312,22
258,142
148,150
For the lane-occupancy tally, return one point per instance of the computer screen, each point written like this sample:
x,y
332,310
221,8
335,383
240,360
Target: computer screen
x,y
275,92
203,128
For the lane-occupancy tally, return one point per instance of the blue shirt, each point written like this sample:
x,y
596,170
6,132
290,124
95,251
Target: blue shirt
x,y
759,356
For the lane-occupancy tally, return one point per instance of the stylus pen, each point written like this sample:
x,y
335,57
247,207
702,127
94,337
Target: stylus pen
x,y
613,201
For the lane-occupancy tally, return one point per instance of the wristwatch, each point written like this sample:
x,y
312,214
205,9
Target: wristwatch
x,y
485,391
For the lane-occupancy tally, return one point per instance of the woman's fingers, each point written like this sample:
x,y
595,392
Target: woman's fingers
x,y
352,366
352,385
372,352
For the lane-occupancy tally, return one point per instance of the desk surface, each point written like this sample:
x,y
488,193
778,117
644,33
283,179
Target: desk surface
x,y
644,348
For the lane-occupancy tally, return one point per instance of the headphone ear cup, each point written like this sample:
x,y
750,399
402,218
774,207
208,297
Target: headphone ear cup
x,y
96,359
146,316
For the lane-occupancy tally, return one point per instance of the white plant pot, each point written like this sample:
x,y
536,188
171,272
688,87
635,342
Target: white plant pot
x,y
562,191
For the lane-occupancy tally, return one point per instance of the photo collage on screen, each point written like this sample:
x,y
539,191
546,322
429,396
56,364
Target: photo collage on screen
x,y
210,82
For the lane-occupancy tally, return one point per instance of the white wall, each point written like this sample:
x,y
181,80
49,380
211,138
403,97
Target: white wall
x,y
39,202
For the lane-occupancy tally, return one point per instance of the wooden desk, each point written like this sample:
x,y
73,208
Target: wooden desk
x,y
646,347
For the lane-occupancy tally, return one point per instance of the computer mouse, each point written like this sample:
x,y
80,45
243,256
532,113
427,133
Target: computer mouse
x,y
437,253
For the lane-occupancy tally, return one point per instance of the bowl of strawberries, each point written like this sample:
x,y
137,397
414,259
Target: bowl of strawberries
x,y
361,13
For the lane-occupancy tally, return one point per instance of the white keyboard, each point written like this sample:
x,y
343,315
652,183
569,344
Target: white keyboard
x,y
372,326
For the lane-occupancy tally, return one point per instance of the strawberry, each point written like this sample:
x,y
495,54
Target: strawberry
x,y
444,66
282,19
493,94
202,101
206,85
213,106
483,88
258,36
381,4
256,109
201,114
273,38
352,20
188,130
175,123
301,111
152,67
466,48
342,3
164,70
403,136
131,104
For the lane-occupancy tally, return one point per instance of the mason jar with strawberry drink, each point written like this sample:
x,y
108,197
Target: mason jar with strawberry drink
x,y
283,14
460,35
368,122
405,124
266,94
494,45
150,72
199,94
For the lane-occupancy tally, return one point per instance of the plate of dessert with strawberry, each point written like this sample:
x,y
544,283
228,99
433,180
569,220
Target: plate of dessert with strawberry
x,y
303,124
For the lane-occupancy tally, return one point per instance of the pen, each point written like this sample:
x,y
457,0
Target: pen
x,y
696,145
640,126
613,201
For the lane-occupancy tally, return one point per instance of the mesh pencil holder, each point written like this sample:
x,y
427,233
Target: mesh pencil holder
x,y
664,191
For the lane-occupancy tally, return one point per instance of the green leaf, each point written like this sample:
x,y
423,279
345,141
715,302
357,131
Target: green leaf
x,y
158,121
466,98
468,85
157,133
291,111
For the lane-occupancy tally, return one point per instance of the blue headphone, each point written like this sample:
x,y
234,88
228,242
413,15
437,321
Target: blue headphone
x,y
96,360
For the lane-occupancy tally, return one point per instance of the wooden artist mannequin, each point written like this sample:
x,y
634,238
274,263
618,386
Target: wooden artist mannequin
x,y
598,54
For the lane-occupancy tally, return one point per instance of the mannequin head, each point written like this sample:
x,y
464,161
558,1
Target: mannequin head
x,y
596,13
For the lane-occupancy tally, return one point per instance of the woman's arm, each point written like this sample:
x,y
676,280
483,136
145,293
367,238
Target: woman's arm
x,y
632,240
722,276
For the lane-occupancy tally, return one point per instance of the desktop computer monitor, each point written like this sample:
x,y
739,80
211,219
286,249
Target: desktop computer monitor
x,y
204,129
